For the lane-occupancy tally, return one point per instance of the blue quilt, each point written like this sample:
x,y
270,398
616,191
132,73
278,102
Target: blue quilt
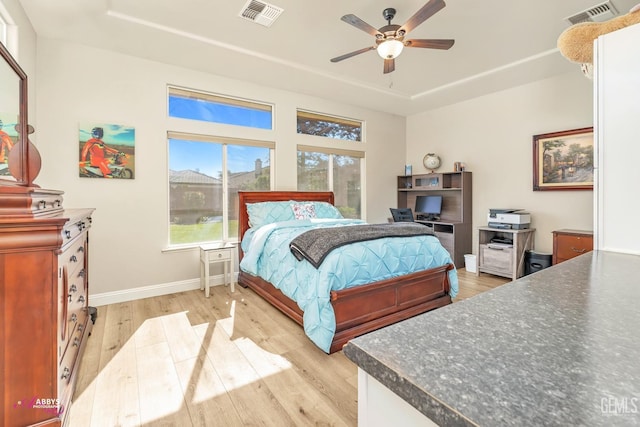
x,y
267,254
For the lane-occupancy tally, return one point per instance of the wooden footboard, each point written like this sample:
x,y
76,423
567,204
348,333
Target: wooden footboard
x,y
365,308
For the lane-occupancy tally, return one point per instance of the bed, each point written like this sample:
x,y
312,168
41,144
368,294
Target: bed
x,y
355,310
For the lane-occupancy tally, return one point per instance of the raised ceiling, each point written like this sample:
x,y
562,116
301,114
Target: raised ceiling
x,y
499,44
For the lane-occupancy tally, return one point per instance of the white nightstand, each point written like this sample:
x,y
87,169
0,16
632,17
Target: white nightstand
x,y
215,253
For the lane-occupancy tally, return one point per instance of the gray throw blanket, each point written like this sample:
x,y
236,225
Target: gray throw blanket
x,y
314,245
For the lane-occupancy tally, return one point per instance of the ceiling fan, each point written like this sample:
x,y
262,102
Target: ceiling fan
x,y
390,38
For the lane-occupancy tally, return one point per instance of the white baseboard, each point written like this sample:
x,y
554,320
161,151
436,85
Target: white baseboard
x,y
132,294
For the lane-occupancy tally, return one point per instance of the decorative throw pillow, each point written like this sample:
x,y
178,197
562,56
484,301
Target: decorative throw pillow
x,y
303,210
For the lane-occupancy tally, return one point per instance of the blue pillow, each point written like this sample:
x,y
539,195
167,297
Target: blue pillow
x,y
268,212
327,210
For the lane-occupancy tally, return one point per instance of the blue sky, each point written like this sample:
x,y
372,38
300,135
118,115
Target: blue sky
x,y
207,157
113,134
199,109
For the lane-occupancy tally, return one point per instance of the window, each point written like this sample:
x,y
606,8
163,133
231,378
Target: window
x,y
203,200
339,171
3,31
187,104
8,31
329,126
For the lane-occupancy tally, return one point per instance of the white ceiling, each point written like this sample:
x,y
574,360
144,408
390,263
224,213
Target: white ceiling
x,y
499,44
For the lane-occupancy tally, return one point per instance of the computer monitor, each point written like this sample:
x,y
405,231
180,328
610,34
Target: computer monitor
x,y
429,206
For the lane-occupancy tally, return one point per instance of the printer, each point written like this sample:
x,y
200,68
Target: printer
x,y
509,219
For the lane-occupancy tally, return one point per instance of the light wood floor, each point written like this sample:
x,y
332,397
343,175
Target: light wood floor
x,y
229,360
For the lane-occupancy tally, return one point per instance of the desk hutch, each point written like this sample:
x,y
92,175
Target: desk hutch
x,y
453,229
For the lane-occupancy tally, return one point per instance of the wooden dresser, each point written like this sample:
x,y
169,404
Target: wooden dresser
x,y
44,310
568,244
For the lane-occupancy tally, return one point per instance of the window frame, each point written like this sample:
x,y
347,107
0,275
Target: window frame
x,y
225,141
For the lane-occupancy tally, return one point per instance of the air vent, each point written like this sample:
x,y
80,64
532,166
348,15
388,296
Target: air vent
x,y
598,13
260,12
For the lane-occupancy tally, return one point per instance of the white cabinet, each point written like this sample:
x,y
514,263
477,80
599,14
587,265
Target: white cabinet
x,y
617,136
212,254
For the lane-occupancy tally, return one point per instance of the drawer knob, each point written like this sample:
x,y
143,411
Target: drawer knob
x,y
80,249
81,299
580,251
76,342
42,204
66,372
67,233
74,317
73,288
80,327
81,273
73,258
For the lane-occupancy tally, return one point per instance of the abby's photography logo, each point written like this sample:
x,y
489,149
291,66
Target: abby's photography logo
x,y
619,405
53,406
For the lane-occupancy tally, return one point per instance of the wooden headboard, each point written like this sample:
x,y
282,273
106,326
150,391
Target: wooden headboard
x,y
245,197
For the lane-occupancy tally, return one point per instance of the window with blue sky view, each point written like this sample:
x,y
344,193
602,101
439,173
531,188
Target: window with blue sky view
x,y
192,105
207,171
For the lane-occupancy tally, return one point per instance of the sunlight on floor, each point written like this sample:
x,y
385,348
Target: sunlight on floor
x,y
167,367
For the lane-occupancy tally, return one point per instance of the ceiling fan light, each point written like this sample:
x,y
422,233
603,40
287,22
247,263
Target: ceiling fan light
x,y
390,49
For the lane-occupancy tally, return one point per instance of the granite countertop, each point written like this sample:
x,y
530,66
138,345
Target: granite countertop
x,y
560,347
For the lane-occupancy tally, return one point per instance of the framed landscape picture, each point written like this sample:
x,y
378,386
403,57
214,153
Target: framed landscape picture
x,y
563,160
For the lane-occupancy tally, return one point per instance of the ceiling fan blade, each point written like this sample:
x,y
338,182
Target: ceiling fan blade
x,y
427,11
359,23
389,65
354,53
430,43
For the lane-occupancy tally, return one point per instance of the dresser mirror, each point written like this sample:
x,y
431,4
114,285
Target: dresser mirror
x,y
19,160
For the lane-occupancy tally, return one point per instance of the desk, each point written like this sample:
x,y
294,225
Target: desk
x,y
216,253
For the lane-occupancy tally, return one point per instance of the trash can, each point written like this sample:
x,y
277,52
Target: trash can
x,y
535,261
470,263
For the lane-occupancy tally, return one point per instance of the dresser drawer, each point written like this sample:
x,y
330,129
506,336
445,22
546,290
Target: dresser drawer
x,y
71,230
68,363
73,292
74,308
567,245
497,259
74,256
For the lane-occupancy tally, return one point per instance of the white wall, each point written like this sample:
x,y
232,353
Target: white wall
x,y
79,84
493,135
